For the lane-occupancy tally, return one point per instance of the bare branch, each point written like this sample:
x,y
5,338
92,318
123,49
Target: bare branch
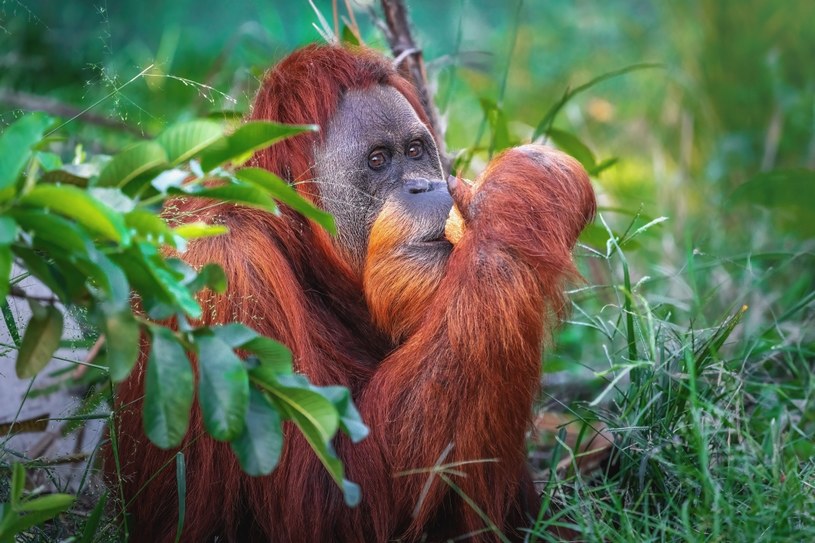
x,y
32,102
410,63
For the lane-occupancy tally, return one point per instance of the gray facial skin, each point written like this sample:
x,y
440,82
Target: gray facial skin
x,y
369,158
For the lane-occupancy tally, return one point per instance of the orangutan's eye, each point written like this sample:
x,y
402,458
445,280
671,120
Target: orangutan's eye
x,y
415,149
378,159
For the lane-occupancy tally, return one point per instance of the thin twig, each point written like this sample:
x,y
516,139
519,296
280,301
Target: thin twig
x,y
411,65
32,102
18,292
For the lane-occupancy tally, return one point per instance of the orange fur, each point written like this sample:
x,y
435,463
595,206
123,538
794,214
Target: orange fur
x,y
439,356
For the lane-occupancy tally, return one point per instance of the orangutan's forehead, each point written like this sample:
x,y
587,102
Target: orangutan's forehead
x,y
377,112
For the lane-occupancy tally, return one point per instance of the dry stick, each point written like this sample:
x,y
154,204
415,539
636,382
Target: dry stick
x,y
410,63
32,102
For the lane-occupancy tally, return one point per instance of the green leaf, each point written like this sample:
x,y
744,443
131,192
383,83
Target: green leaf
x,y
48,161
122,338
15,147
223,388
348,36
43,270
150,227
247,139
52,228
244,194
234,334
350,419
275,358
603,166
139,159
40,341
8,230
211,276
571,144
76,204
169,280
317,419
169,389
92,524
200,229
17,484
57,502
285,194
258,447
183,141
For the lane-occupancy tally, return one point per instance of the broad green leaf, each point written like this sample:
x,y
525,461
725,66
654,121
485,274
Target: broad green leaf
x,y
149,226
8,230
318,421
234,334
138,159
110,278
258,447
350,419
53,228
183,141
223,388
199,229
168,391
308,408
285,194
48,161
211,276
243,194
76,204
571,144
274,357
40,341
43,270
122,337
15,147
169,280
247,139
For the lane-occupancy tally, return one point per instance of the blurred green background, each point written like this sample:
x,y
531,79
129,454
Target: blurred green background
x,y
733,96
